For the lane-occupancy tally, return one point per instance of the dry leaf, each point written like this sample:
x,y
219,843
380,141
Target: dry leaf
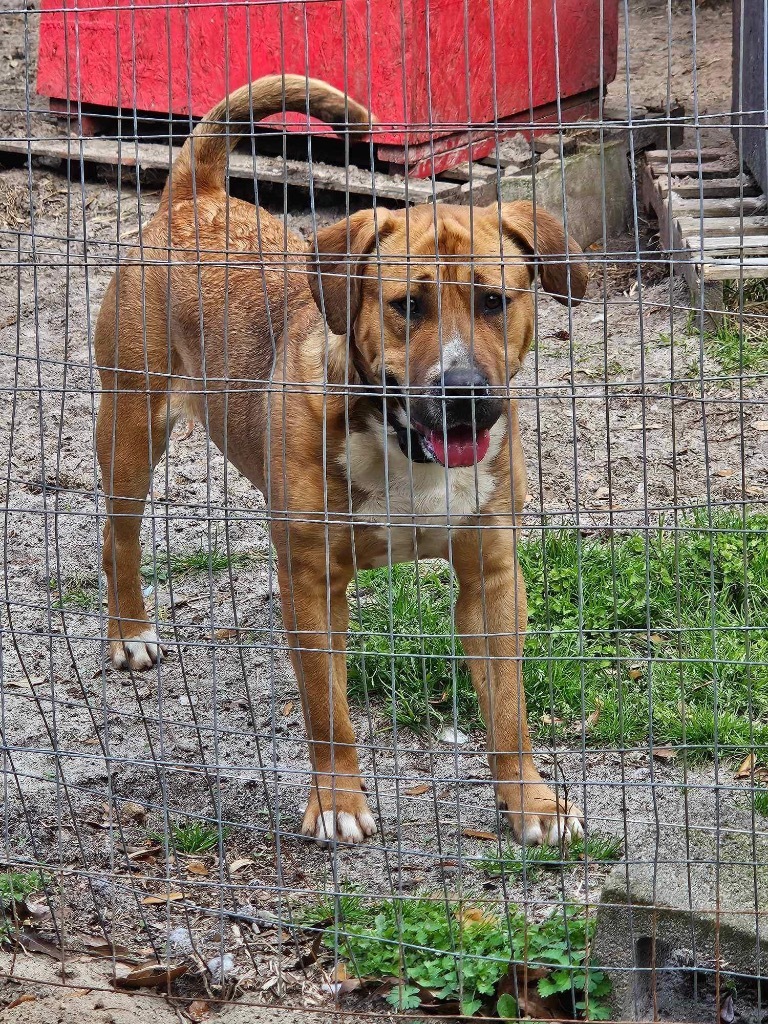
x,y
238,865
760,424
196,867
224,634
591,720
198,1010
172,897
664,753
424,787
131,811
33,944
339,973
287,708
151,976
723,472
635,673
479,833
549,720
96,945
26,998
144,851
746,768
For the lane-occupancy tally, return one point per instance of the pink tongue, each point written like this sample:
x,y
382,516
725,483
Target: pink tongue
x,y
462,449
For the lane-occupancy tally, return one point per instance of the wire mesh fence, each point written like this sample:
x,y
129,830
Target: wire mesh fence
x,y
385,623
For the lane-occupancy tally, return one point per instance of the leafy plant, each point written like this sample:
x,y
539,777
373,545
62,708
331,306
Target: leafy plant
x,y
164,565
680,615
194,837
760,801
460,952
16,885
531,860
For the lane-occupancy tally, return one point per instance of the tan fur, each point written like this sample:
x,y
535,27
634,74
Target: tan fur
x,y
229,330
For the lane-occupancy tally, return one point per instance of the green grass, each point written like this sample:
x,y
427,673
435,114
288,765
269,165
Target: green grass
x,y
624,633
16,885
760,801
461,952
77,591
532,860
740,343
191,838
189,563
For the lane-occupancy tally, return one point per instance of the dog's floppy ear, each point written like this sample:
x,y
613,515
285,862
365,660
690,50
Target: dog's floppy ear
x,y
542,235
336,262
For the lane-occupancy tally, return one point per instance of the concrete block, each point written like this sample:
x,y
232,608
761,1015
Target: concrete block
x,y
673,932
590,184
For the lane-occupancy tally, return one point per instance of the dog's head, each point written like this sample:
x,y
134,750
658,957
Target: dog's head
x,y
437,306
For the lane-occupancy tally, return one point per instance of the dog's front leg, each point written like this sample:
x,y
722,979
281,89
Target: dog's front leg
x,y
337,806
491,616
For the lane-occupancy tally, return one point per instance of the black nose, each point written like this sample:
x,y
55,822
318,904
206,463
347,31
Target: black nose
x,y
465,391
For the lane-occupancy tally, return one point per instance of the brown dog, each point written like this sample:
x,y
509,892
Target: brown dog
x,y
364,389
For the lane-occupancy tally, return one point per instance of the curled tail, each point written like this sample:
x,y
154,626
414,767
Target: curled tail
x,y
208,146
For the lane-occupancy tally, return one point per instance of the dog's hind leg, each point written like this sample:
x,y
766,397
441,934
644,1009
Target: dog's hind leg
x,y
131,437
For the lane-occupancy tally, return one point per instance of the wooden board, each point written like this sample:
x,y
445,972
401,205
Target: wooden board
x,y
148,156
711,219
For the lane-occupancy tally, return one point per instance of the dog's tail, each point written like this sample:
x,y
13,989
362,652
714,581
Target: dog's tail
x,y
207,148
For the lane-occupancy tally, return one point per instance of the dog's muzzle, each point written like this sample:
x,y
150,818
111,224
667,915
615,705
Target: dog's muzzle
x,y
451,424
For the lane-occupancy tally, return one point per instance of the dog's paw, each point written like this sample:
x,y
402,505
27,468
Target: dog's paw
x,y
537,816
341,816
137,653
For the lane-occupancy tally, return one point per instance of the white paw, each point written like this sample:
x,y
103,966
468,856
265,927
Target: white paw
x,y
553,830
138,653
344,827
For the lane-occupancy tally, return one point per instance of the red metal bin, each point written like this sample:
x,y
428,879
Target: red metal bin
x,y
427,68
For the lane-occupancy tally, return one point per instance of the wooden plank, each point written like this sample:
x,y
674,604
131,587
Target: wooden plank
x,y
719,207
681,169
716,188
690,154
728,246
735,270
155,157
468,172
711,226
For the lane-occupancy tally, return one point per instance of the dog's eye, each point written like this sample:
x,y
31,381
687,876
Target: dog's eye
x,y
406,307
493,303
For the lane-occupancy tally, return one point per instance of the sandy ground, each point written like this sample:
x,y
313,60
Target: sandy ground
x,y
613,397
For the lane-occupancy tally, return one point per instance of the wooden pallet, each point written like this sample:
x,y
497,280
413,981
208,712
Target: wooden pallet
x,y
150,157
712,219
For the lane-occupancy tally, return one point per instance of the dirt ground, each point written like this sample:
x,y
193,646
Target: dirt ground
x,y
614,396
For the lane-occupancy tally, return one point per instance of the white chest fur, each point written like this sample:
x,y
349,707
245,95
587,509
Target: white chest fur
x,y
412,505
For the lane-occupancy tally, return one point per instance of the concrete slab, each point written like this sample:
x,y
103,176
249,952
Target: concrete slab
x,y
685,920
592,187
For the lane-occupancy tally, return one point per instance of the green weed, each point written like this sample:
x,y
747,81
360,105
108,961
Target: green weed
x,y
16,885
532,860
668,631
760,801
77,591
194,837
215,559
461,952
740,343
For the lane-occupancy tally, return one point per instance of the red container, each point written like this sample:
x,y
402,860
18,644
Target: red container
x,y
424,67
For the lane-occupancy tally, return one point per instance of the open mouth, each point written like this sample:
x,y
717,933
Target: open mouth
x,y
457,446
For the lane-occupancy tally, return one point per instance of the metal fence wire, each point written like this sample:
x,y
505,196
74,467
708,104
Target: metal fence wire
x,y
385,538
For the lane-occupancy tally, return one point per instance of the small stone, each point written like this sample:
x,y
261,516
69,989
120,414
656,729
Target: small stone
x,y
449,734
220,967
179,943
